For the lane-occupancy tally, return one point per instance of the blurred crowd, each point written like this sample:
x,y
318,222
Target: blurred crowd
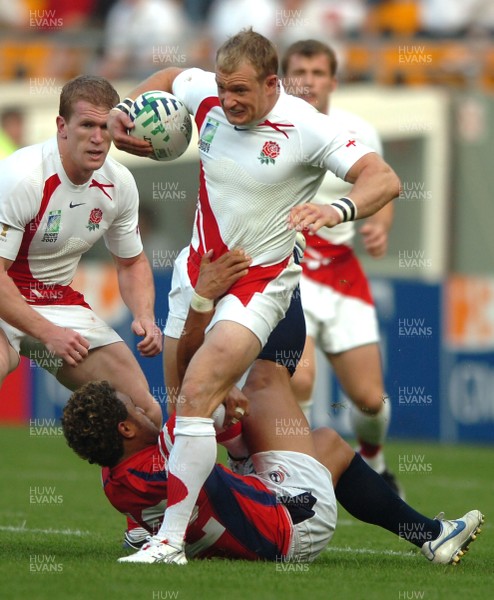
x,y
388,41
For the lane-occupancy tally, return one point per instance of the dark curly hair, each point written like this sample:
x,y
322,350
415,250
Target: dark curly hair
x,y
90,421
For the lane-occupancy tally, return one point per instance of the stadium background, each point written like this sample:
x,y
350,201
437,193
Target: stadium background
x,y
430,95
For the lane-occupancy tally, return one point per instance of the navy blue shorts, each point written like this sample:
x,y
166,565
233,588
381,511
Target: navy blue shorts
x,y
286,342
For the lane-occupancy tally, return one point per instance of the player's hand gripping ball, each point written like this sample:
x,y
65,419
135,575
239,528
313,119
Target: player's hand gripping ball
x,y
162,120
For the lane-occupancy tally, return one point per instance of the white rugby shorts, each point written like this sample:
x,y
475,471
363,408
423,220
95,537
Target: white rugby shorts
x,y
79,318
337,322
288,473
260,314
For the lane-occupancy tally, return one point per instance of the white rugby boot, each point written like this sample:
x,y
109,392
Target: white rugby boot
x,y
157,551
455,536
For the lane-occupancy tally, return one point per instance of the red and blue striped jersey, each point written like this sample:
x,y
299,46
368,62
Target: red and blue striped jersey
x,y
235,516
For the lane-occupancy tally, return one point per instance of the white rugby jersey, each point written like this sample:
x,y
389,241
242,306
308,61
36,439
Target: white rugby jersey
x,y
332,187
47,222
252,176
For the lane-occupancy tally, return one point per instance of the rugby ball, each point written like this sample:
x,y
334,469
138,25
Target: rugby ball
x,y
161,119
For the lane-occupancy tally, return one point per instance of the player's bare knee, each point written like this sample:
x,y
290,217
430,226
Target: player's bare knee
x,y
303,384
329,442
4,365
370,402
328,438
9,359
3,374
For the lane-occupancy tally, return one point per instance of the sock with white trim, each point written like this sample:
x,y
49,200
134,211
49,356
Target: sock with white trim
x,y
191,461
371,431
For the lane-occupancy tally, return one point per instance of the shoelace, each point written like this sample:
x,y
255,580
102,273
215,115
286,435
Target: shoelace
x,y
152,541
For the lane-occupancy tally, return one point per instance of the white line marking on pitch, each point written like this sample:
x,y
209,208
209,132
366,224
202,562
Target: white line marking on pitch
x,y
369,551
24,529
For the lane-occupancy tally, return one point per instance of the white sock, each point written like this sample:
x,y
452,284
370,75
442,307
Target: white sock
x,y
191,461
371,430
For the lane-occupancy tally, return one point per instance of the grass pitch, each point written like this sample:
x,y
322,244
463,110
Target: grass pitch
x,y
60,538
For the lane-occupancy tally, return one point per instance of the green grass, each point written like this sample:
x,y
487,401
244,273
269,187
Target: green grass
x,y
362,562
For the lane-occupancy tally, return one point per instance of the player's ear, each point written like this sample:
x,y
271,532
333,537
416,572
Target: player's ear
x,y
126,429
271,83
61,127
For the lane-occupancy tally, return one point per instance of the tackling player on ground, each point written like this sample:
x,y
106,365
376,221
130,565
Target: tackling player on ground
x,y
286,510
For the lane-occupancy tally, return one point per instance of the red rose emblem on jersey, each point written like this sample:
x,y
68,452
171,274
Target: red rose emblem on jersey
x,y
94,219
270,151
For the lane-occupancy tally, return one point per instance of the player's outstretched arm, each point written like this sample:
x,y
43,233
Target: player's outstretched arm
x,y
135,280
375,185
63,342
119,121
161,80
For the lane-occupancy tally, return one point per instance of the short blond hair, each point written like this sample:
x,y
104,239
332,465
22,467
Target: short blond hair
x,y
91,88
248,46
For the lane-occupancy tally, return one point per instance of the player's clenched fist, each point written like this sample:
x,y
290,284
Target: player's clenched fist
x,y
374,238
152,342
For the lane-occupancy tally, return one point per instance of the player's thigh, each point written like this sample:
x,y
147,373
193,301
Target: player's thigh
x,y
9,359
305,373
228,350
276,421
115,363
170,371
359,372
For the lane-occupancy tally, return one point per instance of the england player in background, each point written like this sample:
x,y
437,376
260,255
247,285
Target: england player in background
x,y
338,306
263,156
57,199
